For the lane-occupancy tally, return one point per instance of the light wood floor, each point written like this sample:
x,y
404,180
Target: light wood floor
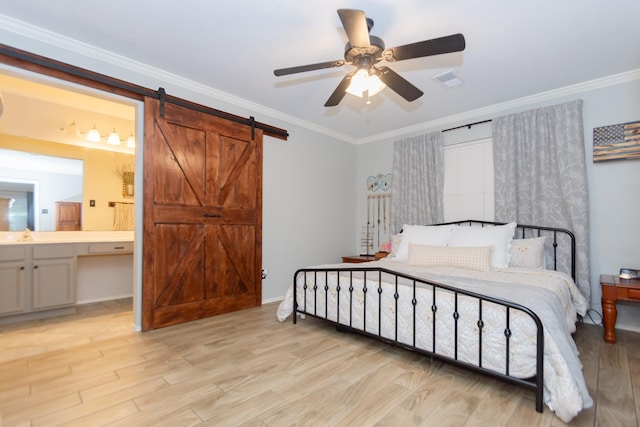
x,y
246,369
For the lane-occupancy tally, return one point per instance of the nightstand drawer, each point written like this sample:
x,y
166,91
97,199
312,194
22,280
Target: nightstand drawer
x,y
358,258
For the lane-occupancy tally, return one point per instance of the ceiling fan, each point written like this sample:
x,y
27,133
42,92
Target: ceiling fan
x,y
364,51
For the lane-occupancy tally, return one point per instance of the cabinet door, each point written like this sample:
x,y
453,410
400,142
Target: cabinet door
x,y
68,216
54,282
13,279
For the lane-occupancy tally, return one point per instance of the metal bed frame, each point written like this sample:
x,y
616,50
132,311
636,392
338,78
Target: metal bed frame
x,y
375,274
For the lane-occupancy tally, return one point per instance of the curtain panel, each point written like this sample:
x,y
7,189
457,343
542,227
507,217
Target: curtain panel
x,y
418,181
540,175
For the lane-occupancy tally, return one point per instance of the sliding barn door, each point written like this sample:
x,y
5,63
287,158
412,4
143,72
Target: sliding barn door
x,y
202,234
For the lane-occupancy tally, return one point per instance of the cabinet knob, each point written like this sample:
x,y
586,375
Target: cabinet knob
x,y
22,268
35,266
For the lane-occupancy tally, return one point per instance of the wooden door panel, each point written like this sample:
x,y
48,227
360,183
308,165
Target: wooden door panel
x,y
237,174
180,165
180,264
186,151
202,216
235,270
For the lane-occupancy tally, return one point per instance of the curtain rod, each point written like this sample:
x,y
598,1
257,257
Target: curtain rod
x,y
467,125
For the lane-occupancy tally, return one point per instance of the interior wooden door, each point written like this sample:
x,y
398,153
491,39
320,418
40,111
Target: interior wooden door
x,y
68,216
202,234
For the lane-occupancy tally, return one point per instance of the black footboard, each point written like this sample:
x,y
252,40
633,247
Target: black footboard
x,y
339,295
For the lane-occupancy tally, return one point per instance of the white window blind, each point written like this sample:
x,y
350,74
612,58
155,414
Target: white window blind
x,y
468,181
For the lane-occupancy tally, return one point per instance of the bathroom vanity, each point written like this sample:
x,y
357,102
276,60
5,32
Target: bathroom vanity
x,y
50,273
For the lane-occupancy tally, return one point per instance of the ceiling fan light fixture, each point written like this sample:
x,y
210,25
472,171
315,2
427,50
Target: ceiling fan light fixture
x,y
362,82
93,135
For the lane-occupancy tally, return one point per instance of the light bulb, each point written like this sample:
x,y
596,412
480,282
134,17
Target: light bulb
x,y
114,138
131,141
93,135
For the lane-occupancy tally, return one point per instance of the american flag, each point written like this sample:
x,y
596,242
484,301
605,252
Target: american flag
x,y
621,141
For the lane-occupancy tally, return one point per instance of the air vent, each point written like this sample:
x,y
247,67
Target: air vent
x,y
448,79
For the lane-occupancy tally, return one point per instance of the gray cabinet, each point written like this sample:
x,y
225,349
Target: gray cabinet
x,y
13,280
53,276
36,277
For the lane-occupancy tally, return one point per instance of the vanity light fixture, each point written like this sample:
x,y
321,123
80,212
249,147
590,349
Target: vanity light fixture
x,y
131,141
114,138
93,135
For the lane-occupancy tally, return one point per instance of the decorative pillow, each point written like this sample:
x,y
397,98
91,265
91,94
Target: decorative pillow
x,y
470,258
499,237
395,242
434,235
527,253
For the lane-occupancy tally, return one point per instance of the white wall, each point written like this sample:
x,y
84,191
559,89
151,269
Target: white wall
x,y
614,187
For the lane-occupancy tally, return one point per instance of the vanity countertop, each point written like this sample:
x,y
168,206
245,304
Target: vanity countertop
x,y
48,237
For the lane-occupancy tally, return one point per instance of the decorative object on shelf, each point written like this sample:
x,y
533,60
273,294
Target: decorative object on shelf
x,y
621,141
379,182
126,173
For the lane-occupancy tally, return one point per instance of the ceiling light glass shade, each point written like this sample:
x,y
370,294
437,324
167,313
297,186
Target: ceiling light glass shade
x,y
131,141
73,129
93,135
362,82
114,138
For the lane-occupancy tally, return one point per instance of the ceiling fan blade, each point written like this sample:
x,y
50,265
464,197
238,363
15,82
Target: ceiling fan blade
x,y
355,25
399,84
310,67
447,44
340,92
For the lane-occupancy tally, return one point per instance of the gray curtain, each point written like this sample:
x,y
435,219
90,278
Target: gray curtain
x,y
541,178
418,181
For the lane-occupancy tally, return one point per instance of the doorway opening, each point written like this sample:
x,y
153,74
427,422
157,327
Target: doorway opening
x,y
51,117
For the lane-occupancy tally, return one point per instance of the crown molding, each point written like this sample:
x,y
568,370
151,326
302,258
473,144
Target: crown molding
x,y
59,41
515,104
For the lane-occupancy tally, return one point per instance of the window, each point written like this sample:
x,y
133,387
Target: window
x,y
468,181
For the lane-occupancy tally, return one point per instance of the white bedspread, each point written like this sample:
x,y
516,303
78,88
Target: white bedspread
x,y
551,295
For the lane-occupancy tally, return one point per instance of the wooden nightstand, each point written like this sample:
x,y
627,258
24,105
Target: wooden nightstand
x,y
616,289
358,258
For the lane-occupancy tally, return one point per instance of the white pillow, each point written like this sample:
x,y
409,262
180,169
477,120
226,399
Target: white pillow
x,y
528,253
469,258
499,237
434,235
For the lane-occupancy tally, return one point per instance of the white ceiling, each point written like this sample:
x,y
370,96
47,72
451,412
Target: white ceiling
x,y
514,49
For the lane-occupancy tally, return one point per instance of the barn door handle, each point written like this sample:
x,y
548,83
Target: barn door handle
x,y
208,215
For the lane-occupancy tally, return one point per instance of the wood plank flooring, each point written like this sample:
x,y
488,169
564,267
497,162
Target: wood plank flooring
x,y
246,369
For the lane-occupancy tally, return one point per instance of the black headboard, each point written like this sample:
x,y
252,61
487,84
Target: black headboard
x,y
562,241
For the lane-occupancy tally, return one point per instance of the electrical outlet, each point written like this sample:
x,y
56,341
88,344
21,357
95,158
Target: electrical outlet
x,y
92,203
